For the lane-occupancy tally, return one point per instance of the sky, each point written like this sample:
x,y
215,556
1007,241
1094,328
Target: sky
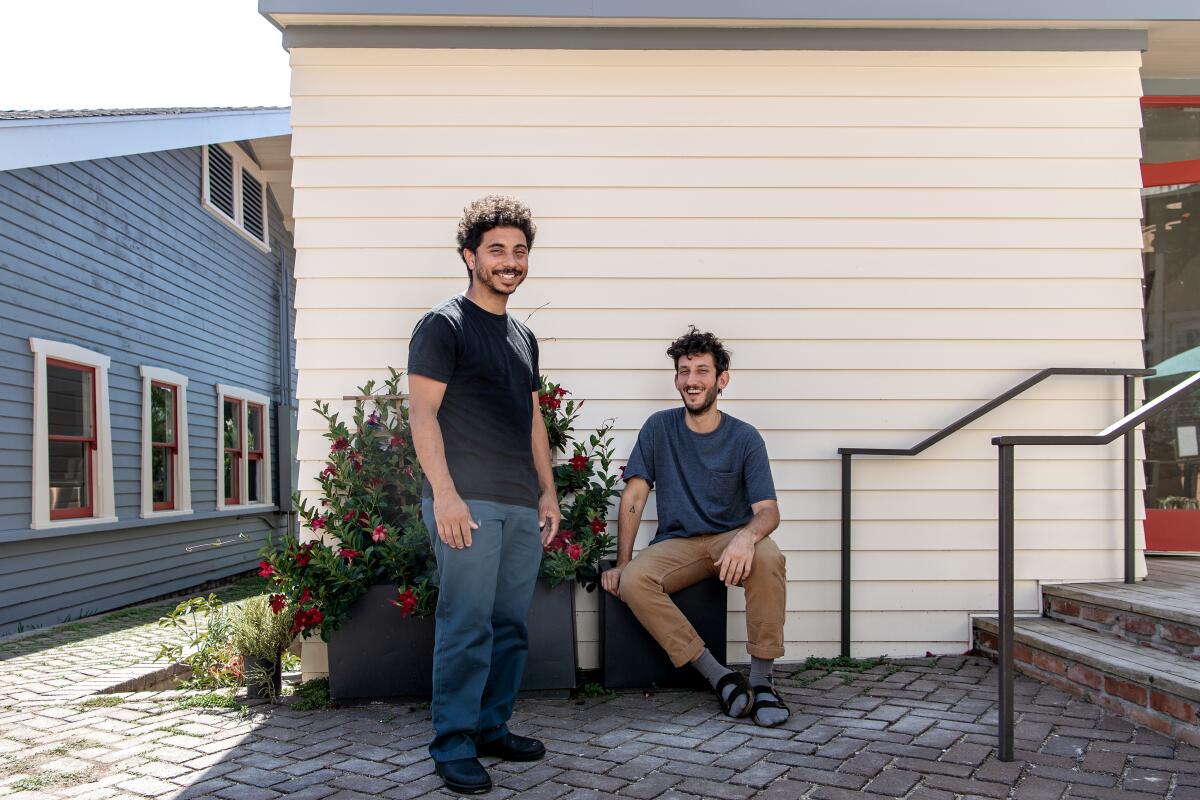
x,y
139,53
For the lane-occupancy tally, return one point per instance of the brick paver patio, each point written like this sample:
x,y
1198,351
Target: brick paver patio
x,y
921,729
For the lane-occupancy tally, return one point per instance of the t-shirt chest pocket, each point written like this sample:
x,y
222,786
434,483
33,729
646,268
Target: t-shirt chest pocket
x,y
723,485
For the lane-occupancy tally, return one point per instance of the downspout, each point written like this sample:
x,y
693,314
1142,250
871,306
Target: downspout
x,y
285,412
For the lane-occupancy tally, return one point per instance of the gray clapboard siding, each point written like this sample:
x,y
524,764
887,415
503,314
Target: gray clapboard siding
x,y
118,256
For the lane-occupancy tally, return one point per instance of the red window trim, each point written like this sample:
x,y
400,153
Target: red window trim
x,y
1170,173
235,453
172,449
256,455
90,509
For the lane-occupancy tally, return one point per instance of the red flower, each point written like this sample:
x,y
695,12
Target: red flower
x,y
579,463
408,470
339,444
329,470
348,516
278,603
316,616
379,534
398,441
575,551
622,472
364,518
302,558
265,570
318,523
555,402
599,525
560,541
349,553
305,596
560,391
543,399
407,602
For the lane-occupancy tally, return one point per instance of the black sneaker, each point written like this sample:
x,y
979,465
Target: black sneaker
x,y
465,775
511,747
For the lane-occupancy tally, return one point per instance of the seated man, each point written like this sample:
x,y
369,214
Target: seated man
x,y
716,508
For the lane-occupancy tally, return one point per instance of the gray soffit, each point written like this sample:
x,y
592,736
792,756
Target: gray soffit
x,y
1171,86
35,138
852,10
467,37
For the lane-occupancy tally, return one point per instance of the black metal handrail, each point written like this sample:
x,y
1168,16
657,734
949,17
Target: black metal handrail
x,y
1005,547
848,453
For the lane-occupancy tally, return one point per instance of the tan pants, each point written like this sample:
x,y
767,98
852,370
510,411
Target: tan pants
x,y
675,564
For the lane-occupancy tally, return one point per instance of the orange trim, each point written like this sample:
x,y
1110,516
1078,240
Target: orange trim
x,y
1171,173
1170,100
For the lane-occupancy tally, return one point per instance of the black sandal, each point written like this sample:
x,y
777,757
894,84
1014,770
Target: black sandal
x,y
741,689
774,701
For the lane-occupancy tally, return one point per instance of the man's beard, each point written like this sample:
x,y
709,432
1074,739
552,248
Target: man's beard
x,y
710,398
491,282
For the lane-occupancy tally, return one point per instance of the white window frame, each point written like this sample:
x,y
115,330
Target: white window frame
x,y
241,160
182,470
246,397
104,508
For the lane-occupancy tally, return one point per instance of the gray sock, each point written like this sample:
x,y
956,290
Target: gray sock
x,y
712,671
760,677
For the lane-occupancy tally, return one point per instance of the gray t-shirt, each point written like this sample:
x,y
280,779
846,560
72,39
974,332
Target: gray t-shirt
x,y
706,482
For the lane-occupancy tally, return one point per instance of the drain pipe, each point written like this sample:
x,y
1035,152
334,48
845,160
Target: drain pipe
x,y
285,416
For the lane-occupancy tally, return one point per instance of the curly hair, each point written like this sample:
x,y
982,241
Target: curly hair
x,y
694,343
492,211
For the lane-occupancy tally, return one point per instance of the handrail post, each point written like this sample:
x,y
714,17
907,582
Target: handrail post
x,y
1005,621
846,489
1130,483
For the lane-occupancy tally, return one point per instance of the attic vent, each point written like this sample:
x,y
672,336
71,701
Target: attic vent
x,y
252,209
220,180
235,192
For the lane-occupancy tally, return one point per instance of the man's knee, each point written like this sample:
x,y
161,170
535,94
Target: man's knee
x,y
638,583
769,559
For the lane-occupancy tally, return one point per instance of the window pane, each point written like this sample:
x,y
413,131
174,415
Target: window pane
x,y
68,401
253,474
162,414
161,469
254,416
232,420
1171,252
231,481
70,481
1170,134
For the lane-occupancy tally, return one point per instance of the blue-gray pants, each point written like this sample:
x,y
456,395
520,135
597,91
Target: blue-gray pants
x,y
483,598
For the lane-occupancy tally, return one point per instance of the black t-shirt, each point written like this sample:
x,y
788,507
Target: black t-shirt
x,y
489,363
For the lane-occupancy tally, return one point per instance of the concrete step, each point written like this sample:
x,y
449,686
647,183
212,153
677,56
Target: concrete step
x,y
1157,689
1159,617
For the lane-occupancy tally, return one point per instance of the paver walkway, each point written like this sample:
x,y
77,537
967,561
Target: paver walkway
x,y
921,729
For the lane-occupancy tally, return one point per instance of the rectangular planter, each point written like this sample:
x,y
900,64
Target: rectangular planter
x,y
630,657
551,660
377,653
1173,530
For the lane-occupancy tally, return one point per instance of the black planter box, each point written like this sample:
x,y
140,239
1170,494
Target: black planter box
x,y
551,660
629,656
379,653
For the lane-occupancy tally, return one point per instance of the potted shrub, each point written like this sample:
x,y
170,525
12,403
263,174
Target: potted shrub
x,y
259,634
368,584
586,485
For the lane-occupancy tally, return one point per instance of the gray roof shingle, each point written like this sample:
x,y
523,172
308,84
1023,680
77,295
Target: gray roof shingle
x,y
127,112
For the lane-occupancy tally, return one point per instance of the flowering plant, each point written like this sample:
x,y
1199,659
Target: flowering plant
x,y
585,485
368,520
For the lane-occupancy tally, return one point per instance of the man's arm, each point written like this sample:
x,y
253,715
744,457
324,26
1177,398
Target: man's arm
x,y
629,517
738,555
549,514
454,523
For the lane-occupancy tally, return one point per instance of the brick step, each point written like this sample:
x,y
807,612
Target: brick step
x,y
1152,688
1153,617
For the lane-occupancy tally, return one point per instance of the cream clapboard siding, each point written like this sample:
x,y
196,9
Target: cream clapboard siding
x,y
885,240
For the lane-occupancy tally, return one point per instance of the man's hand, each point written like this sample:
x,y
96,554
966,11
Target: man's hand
x,y
736,559
610,579
549,516
454,523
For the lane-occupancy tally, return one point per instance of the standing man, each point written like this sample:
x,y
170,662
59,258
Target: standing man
x,y
716,508
478,432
